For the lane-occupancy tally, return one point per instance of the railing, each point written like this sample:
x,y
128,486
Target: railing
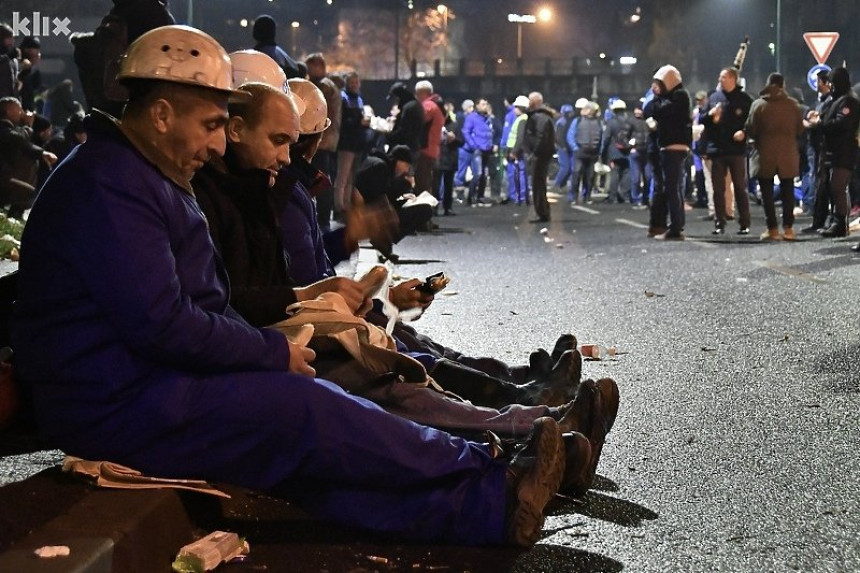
x,y
382,69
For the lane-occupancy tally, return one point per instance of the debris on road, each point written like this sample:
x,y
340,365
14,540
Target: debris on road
x,y
597,352
651,294
208,552
51,551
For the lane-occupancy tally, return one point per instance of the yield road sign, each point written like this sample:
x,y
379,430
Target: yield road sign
x,y
821,44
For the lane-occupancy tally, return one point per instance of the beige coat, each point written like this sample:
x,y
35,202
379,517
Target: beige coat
x,y
774,124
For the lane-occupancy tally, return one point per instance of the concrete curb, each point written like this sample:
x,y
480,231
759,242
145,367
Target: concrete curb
x,y
107,530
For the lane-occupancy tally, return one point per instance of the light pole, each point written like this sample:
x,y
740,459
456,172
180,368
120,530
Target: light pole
x,y
778,33
544,15
519,20
294,29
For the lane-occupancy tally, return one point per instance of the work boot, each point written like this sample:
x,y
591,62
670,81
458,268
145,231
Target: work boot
x,y
603,415
540,364
557,388
578,465
565,342
771,235
839,228
578,415
534,476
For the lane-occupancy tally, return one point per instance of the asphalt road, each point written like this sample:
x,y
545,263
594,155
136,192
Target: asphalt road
x,y
736,445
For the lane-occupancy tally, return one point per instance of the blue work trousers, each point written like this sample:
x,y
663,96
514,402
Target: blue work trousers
x,y
340,457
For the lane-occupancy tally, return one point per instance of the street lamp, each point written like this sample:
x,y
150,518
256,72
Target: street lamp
x,y
519,20
294,29
544,15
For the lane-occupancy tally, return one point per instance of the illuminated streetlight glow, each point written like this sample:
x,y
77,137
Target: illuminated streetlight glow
x,y
602,56
519,19
627,60
243,22
295,24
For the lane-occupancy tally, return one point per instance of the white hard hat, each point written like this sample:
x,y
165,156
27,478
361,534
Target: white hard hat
x,y
618,104
253,66
521,101
669,75
313,110
580,103
180,54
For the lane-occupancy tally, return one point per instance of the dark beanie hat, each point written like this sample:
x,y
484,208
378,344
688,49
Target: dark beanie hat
x,y
265,28
40,123
840,81
400,153
30,42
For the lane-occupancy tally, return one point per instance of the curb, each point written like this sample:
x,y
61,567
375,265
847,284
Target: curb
x,y
106,530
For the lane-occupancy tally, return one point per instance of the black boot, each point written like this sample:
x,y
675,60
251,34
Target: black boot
x,y
559,386
839,228
564,343
479,388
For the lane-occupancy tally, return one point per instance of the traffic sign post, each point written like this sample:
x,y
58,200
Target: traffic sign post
x,y
821,44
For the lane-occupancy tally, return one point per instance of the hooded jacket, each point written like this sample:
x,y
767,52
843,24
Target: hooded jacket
x,y
839,123
671,110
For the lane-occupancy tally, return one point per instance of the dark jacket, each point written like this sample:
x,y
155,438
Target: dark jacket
x,y
735,111
409,126
672,113
375,181
19,156
616,139
639,132
353,135
448,151
246,234
839,126
540,133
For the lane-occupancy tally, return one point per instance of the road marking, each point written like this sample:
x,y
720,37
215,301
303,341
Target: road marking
x,y
789,271
585,209
632,223
638,225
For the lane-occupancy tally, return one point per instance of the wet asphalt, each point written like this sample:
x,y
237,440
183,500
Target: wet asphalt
x,y
736,444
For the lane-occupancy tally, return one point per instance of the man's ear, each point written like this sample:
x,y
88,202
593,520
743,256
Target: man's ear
x,y
235,128
162,113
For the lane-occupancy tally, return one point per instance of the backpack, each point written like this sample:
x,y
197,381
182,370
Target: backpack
x,y
623,132
97,56
589,133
